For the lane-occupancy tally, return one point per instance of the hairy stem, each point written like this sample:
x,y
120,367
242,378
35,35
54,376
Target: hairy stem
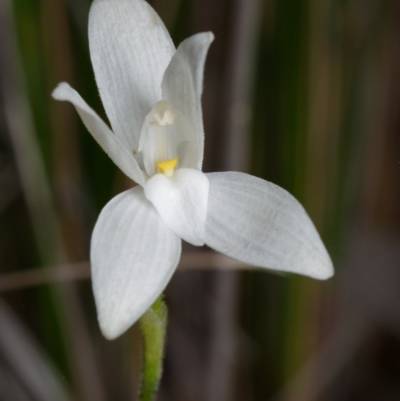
x,y
153,326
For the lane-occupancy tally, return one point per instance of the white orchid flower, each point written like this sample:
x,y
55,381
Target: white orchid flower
x,y
152,96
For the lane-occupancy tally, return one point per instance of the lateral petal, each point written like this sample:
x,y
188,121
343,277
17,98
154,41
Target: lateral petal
x,y
182,85
133,256
181,202
114,148
259,223
130,49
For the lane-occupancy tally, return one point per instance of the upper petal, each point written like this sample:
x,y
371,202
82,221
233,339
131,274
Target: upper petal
x,y
118,153
181,202
133,255
182,85
130,49
259,223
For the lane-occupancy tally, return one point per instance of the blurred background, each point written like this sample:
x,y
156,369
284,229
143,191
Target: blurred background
x,y
304,93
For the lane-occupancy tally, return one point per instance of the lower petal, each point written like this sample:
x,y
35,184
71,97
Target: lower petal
x,y
259,223
133,256
181,202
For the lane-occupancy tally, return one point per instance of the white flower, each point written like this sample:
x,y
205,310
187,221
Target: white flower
x,y
151,93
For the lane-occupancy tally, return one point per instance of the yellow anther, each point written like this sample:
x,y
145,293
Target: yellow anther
x,y
167,167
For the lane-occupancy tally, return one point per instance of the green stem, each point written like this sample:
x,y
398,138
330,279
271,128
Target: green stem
x,y
153,326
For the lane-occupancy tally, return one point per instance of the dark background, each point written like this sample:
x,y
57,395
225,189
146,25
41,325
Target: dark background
x,y
304,93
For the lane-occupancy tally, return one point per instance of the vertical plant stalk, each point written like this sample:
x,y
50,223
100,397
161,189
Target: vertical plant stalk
x,y
46,225
153,325
235,123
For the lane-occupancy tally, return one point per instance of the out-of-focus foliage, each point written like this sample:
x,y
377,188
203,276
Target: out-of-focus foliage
x,y
303,93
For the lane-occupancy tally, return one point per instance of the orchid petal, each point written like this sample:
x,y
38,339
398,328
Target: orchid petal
x,y
181,202
118,153
182,85
133,256
130,49
259,223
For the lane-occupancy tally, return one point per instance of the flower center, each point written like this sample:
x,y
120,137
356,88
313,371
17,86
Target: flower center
x,y
164,116
167,167
162,140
